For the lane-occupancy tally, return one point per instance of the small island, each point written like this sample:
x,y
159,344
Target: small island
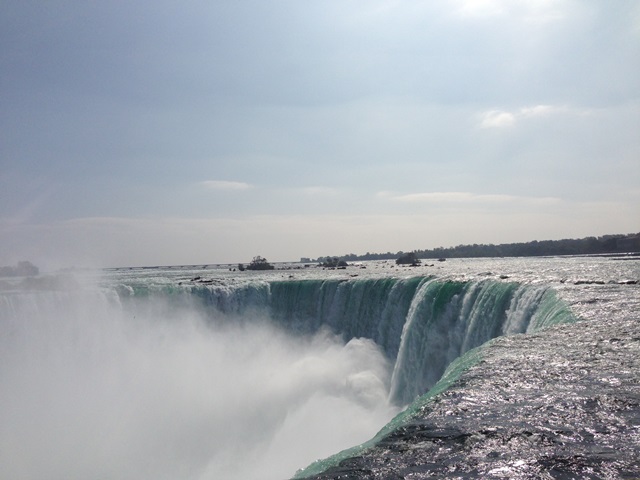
x,y
258,263
408,259
334,262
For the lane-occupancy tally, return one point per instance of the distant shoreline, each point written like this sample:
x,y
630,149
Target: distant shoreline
x,y
617,244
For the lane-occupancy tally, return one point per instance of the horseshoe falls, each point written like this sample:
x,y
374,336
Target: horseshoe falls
x,y
493,368
421,323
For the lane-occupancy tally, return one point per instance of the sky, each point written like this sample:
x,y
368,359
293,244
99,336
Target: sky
x,y
156,133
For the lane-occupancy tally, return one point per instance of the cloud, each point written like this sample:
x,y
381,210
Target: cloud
x,y
467,198
503,118
497,119
225,185
537,110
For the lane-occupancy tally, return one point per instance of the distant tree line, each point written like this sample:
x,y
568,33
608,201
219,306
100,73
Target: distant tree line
x,y
612,244
583,246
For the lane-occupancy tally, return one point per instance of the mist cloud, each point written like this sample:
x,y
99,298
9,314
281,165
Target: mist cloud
x,y
161,392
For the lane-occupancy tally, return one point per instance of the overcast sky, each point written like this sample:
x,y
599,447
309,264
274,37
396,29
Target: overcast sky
x,y
158,132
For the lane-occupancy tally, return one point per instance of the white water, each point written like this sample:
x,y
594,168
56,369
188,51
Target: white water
x,y
88,392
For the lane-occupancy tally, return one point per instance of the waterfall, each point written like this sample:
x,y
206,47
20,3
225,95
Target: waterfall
x,y
421,323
